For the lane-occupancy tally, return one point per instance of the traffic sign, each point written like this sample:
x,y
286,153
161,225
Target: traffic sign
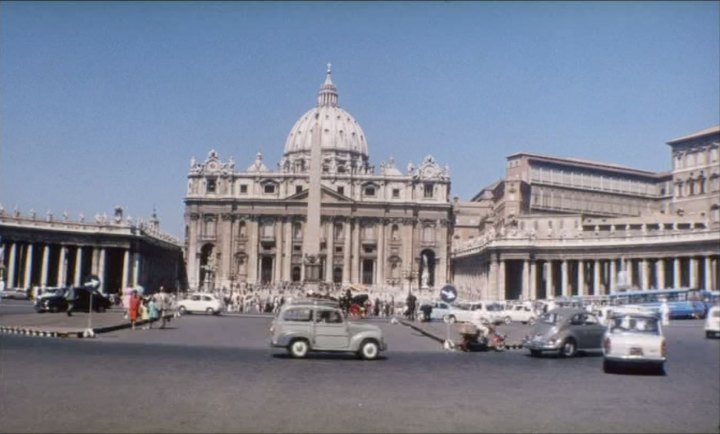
x,y
448,293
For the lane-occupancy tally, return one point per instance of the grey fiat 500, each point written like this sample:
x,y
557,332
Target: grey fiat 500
x,y
304,326
565,331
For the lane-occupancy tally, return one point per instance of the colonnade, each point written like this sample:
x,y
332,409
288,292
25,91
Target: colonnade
x,y
533,278
28,264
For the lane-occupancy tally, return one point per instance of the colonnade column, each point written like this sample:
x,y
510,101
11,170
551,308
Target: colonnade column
x,y
252,258
676,273
11,266
644,274
287,246
693,283
533,280
708,273
125,267
581,278
137,263
28,265
526,280
630,272
101,269
45,265
380,279
550,283
347,227
330,245
596,277
613,275
660,273
62,269
78,266
564,278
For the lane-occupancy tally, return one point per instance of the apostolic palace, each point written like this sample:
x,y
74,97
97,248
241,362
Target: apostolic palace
x,y
325,215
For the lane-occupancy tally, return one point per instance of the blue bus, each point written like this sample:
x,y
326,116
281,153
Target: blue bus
x,y
682,302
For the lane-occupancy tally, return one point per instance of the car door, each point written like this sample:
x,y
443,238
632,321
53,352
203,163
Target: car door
x,y
330,329
194,304
594,331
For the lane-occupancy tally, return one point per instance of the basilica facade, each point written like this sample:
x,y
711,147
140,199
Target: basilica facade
x,y
324,214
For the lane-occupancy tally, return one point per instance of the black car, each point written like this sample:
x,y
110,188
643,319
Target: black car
x,y
57,303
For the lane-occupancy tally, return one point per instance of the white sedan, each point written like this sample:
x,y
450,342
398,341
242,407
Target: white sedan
x,y
634,338
712,322
201,302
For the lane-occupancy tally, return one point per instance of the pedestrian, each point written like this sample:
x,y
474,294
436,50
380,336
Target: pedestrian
x,y
153,312
145,313
665,312
163,305
134,308
70,297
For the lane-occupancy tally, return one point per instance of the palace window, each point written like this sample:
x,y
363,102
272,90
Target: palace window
x,y
338,231
428,234
298,189
429,190
211,185
269,188
341,189
297,230
396,193
370,190
243,188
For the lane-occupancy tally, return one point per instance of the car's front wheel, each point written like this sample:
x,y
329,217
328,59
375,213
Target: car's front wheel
x,y
182,310
210,311
568,349
450,319
369,350
508,320
299,348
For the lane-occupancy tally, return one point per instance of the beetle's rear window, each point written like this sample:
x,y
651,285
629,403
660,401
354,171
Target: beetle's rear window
x,y
299,314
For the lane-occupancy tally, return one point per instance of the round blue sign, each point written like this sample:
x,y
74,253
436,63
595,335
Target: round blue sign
x,y
448,293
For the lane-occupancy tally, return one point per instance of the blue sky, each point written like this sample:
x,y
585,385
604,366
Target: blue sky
x,y
105,103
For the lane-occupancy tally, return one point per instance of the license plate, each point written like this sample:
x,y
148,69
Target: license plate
x,y
636,351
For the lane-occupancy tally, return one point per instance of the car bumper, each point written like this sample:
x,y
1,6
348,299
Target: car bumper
x,y
635,359
541,345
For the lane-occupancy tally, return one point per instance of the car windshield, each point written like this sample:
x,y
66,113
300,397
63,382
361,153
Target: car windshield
x,y
634,324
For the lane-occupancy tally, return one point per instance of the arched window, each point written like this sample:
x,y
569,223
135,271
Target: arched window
x,y
297,230
395,233
338,231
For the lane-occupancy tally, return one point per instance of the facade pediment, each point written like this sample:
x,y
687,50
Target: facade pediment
x,y
327,195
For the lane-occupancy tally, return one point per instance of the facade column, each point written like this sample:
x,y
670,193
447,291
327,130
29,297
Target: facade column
x,y
550,282
693,283
45,265
252,259
380,278
613,275
581,278
11,267
137,263
501,293
101,269
533,280
277,263
630,273
660,273
347,232
125,268
78,266
355,269
62,267
330,249
28,266
492,279
644,274
564,278
708,273
526,280
596,277
287,246
676,273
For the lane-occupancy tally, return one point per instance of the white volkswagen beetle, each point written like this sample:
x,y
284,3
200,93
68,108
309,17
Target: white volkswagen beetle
x,y
634,337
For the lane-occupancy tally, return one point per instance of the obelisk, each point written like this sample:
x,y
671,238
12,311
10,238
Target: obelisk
x,y
311,235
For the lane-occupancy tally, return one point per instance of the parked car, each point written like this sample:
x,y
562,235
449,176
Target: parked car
x,y
634,338
523,313
565,330
450,313
14,294
56,302
201,302
313,326
712,322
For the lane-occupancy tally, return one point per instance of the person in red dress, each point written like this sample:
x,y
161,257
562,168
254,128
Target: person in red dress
x,y
134,310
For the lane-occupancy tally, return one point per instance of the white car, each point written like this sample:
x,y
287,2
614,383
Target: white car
x,y
201,302
523,313
450,313
712,322
634,338
487,311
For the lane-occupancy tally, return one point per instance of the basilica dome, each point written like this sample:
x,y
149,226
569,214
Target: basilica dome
x,y
340,134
